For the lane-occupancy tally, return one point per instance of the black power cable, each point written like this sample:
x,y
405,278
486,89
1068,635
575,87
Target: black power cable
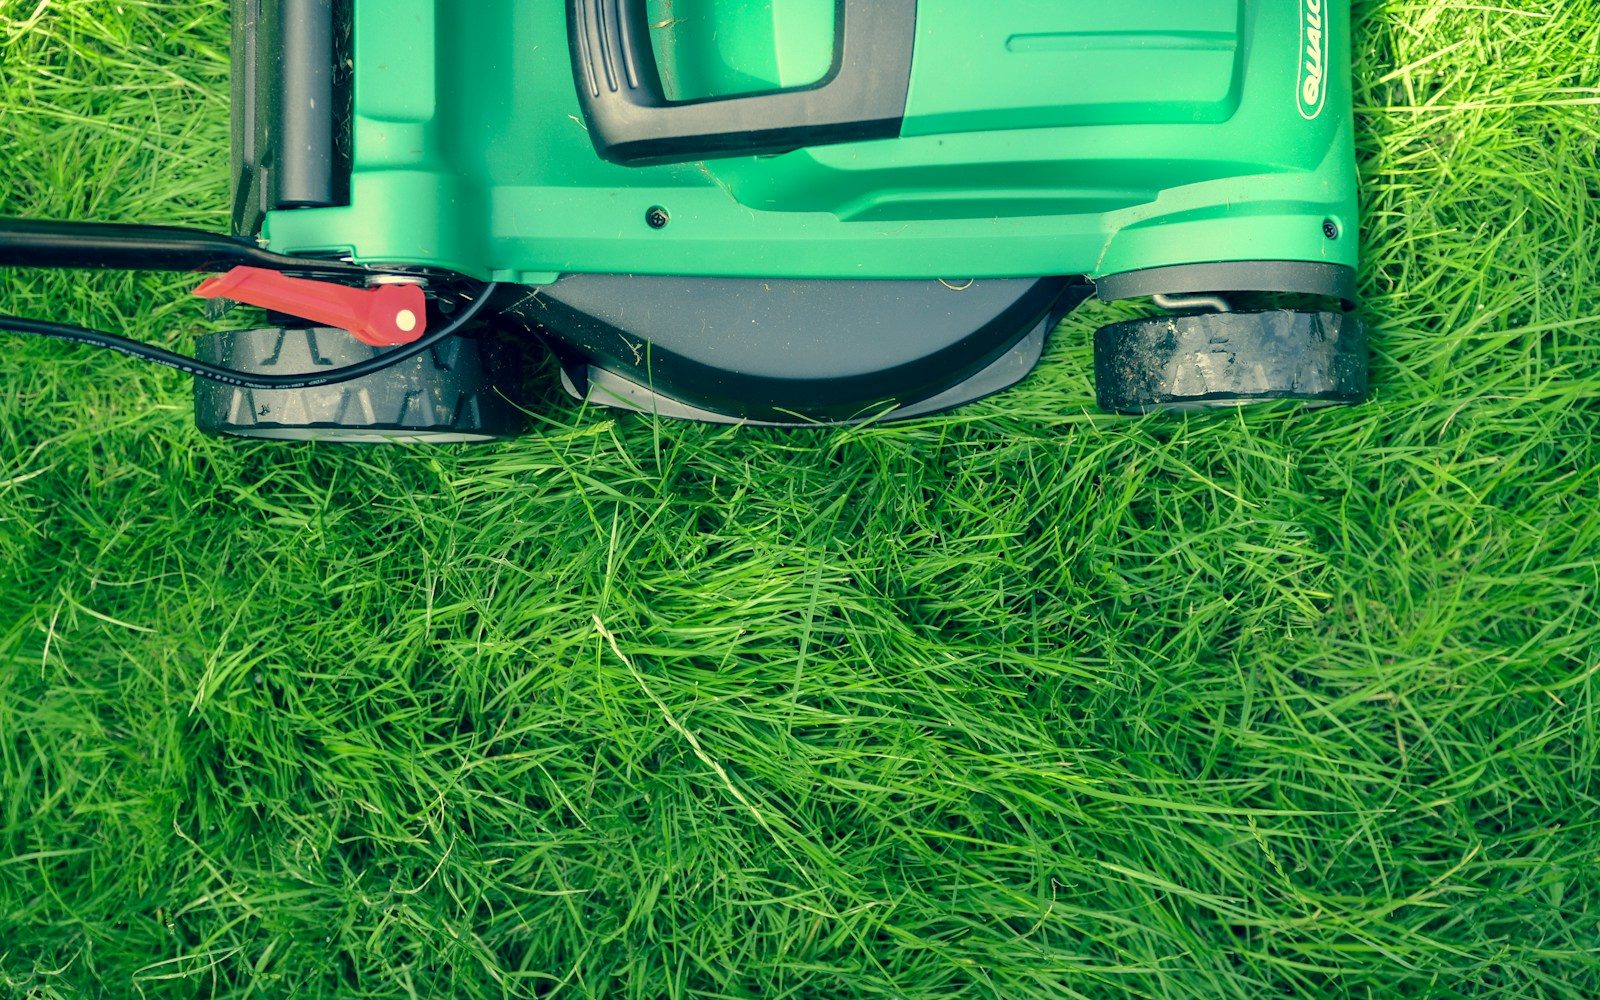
x,y
245,380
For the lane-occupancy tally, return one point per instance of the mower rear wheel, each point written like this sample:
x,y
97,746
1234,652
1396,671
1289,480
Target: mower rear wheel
x,y
455,392
1231,359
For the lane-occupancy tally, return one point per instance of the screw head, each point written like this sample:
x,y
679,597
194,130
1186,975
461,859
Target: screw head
x,y
657,218
1330,229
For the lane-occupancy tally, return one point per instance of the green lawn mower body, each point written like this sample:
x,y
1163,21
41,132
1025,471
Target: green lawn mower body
x,y
1013,140
801,211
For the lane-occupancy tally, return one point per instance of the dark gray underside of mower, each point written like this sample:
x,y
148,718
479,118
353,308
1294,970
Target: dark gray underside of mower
x,y
794,352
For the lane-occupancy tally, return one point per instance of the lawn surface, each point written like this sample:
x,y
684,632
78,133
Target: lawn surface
x,y
1022,702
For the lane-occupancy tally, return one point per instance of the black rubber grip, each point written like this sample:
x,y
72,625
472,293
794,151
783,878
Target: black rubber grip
x,y
307,166
632,121
292,78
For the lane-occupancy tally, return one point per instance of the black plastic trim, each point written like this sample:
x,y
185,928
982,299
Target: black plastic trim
x,y
1335,281
249,158
632,121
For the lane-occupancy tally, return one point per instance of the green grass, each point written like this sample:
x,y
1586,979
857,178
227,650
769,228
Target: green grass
x,y
1024,702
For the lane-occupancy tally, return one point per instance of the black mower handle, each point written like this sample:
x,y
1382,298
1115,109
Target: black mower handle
x,y
124,247
632,121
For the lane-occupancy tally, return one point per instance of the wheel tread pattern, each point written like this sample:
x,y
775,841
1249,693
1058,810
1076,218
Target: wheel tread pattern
x,y
1217,359
449,390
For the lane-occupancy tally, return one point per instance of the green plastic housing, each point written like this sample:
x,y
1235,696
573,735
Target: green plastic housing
x,y
1041,137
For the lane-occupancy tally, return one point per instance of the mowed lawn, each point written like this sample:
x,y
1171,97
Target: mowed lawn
x,y
1022,702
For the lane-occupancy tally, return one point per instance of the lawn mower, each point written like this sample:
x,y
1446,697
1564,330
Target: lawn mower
x,y
776,212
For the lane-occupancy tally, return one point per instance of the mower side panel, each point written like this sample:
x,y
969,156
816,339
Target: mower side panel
x,y
1041,138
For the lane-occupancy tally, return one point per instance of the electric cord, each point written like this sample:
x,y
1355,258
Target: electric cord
x,y
245,380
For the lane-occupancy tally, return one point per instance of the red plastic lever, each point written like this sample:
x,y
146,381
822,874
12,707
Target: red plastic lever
x,y
386,316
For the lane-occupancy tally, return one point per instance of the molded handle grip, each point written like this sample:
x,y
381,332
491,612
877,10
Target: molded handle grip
x,y
632,121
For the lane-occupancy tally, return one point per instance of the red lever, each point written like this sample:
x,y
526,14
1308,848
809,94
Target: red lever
x,y
386,316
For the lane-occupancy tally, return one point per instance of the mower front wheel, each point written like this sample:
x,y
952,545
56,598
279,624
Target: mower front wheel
x,y
1230,359
458,391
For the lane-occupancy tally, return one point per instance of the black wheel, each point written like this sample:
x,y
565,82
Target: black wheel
x,y
1229,359
452,393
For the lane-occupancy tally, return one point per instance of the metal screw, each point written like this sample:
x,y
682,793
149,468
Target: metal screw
x,y
657,218
1330,229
